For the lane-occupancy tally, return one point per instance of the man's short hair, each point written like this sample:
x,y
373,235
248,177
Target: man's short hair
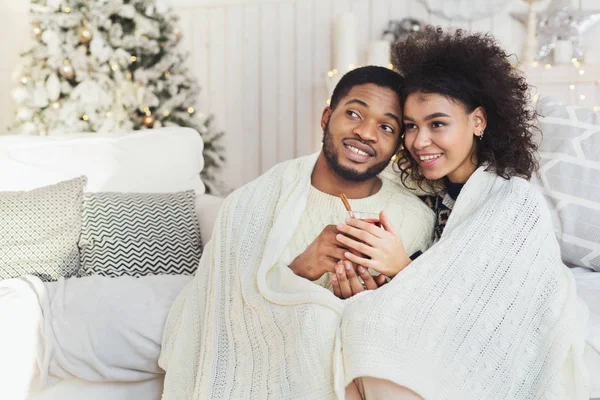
x,y
380,76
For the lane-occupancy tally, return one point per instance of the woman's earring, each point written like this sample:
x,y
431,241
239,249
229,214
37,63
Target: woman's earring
x,y
481,135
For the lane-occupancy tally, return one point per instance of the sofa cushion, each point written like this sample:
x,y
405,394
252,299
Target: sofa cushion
x,y
570,178
139,234
151,161
39,231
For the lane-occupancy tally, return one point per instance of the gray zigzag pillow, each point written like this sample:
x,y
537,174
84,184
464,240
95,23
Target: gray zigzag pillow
x,y
39,230
139,234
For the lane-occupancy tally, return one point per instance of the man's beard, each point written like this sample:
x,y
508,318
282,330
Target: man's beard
x,y
348,174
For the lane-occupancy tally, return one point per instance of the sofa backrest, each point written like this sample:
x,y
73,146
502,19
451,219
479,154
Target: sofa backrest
x,y
152,161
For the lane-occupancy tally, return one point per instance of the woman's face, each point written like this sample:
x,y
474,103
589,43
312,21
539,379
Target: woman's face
x,y
441,135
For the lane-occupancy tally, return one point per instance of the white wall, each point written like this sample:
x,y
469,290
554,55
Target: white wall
x,y
262,65
15,38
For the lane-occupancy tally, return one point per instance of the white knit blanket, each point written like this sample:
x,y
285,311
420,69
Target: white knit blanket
x,y
488,312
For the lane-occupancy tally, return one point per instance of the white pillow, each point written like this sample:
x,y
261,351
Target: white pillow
x,y
151,161
570,178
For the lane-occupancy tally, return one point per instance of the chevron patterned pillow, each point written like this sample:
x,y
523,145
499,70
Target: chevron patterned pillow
x,y
39,230
570,178
139,234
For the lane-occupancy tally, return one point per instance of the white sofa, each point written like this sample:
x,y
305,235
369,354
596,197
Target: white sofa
x,y
162,161
153,161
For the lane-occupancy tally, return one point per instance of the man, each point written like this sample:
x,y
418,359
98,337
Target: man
x,y
361,132
252,323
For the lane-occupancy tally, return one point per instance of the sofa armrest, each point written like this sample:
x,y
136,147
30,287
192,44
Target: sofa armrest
x,y
207,208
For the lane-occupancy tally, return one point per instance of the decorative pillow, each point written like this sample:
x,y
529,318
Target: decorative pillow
x,y
39,230
570,178
139,234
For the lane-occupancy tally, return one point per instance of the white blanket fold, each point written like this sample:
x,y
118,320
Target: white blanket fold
x,y
488,312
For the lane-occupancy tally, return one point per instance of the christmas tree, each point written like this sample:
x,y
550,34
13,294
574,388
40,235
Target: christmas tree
x,y
109,65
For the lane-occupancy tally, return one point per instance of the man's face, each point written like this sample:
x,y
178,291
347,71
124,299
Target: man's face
x,y
362,134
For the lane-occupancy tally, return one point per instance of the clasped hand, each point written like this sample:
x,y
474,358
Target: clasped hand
x,y
379,249
326,255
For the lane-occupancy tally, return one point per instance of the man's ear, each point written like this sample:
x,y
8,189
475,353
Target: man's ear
x,y
325,117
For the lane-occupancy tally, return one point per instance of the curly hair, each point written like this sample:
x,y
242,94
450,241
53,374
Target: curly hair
x,y
472,68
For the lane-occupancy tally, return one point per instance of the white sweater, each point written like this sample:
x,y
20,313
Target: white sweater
x,y
410,217
488,312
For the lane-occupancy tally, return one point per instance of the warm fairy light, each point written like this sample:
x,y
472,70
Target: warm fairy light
x,y
114,67
548,66
108,114
166,113
67,10
167,73
147,111
330,74
335,71
572,87
534,64
582,97
574,60
190,110
85,117
129,76
581,72
391,66
133,58
328,102
596,108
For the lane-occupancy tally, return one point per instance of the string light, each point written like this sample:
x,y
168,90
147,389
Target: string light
x,y
133,59
147,111
548,66
167,73
129,76
534,64
190,110
574,60
114,67
582,97
596,109
85,117
581,72
330,74
108,114
166,113
67,10
328,102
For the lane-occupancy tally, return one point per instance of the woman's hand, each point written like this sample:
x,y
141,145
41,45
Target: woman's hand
x,y
383,249
345,280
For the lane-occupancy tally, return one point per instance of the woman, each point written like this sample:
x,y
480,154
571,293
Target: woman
x,y
489,311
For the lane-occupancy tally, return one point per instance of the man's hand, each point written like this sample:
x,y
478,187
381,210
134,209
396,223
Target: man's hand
x,y
321,256
345,281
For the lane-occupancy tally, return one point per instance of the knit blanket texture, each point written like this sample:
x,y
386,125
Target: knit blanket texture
x,y
488,312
